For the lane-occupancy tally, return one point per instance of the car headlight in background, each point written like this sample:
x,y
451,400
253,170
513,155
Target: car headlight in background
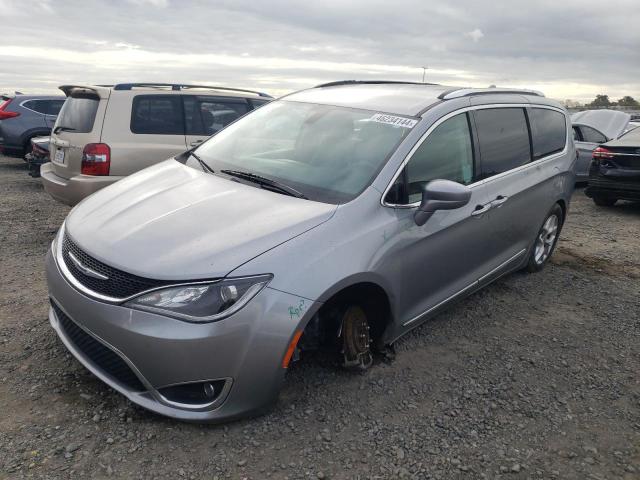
x,y
201,302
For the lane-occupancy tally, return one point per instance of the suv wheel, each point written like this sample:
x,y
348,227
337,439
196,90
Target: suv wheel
x,y
355,338
604,201
546,239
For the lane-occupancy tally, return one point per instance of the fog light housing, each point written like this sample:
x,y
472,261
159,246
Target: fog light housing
x,y
193,394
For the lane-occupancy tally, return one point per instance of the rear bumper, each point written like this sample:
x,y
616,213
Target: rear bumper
x,y
624,188
72,190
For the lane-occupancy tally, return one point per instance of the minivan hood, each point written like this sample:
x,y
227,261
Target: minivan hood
x,y
611,123
172,222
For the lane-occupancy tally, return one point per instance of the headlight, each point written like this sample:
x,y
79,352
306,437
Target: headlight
x,y
202,302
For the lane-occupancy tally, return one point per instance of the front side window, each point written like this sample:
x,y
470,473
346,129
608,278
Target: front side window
x,y
591,135
503,137
330,154
447,153
157,114
206,115
549,131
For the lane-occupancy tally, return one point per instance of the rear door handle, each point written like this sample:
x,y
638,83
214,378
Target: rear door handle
x,y
480,209
500,199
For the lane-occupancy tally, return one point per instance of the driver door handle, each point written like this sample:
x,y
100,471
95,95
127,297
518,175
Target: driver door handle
x,y
480,209
500,199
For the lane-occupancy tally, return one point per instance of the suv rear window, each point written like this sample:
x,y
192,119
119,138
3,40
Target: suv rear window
x,y
157,114
548,131
78,114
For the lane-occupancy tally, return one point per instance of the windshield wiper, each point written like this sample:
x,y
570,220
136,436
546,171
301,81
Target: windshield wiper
x,y
202,163
267,182
64,129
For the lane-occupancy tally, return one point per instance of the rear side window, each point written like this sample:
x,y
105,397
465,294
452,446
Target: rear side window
x,y
548,131
157,114
78,114
208,115
447,153
39,106
591,135
503,137
54,106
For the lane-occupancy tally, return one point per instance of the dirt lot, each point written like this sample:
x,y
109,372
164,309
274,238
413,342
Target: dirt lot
x,y
535,377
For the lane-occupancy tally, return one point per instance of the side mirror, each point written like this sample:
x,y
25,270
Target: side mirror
x,y
441,195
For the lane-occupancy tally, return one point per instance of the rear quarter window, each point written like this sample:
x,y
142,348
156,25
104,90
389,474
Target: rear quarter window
x,y
157,114
78,114
548,131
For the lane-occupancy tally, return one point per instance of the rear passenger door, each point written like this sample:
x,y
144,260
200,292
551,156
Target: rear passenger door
x,y
206,115
518,175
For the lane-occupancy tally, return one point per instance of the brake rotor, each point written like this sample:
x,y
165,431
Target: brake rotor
x,y
356,339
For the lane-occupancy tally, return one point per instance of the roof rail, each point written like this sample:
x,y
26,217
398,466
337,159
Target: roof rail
x,y
182,86
368,82
470,92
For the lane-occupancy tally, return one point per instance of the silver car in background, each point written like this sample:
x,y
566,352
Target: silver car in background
x,y
592,128
341,216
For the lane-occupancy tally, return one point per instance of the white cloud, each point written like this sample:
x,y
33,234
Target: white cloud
x,y
475,35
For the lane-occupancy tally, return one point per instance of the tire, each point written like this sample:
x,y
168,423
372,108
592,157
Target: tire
x,y
354,338
604,201
546,239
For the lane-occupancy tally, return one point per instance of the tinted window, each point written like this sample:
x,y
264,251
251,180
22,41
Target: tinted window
x,y
548,129
503,137
157,114
54,106
78,114
447,153
36,105
207,115
592,135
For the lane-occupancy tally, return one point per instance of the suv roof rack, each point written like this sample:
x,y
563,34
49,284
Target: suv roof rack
x,y
369,82
182,86
470,92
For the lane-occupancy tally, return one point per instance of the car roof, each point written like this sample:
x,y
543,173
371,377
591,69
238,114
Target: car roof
x,y
164,88
402,98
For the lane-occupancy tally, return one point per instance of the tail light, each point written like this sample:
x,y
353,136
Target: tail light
x,y
96,159
602,153
4,115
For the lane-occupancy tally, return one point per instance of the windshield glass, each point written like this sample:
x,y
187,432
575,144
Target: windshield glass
x,y
330,154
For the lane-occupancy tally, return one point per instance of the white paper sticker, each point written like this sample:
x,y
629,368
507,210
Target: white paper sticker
x,y
393,120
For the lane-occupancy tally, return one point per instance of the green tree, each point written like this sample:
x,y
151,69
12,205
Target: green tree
x,y
628,101
601,101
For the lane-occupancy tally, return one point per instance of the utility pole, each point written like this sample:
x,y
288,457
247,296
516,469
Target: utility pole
x,y
424,73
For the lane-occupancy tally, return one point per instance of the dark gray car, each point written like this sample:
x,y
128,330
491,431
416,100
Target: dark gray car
x,y
341,216
23,117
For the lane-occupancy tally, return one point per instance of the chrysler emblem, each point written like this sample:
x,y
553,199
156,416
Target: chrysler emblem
x,y
86,270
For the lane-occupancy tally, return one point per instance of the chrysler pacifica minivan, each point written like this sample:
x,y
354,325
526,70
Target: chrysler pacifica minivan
x,y
341,216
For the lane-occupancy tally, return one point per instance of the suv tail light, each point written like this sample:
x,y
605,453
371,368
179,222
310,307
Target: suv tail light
x,y
96,159
602,153
4,115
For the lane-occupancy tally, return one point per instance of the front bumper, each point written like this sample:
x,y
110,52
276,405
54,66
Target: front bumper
x,y
244,351
72,190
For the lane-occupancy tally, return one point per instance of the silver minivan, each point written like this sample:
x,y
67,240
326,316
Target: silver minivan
x,y
337,217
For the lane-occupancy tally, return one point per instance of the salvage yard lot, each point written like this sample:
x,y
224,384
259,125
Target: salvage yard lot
x,y
536,376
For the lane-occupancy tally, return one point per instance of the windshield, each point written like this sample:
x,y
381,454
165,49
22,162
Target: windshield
x,y
78,114
330,154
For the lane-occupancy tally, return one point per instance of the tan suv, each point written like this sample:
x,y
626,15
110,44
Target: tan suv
x,y
104,133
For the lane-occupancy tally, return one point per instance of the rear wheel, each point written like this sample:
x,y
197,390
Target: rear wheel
x,y
546,239
604,201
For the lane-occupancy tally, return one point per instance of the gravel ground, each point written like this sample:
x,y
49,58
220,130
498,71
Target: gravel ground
x,y
534,377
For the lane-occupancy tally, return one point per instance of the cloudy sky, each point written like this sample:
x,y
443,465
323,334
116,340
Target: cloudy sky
x,y
570,49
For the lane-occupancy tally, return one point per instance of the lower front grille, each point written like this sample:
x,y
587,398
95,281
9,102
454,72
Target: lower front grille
x,y
109,362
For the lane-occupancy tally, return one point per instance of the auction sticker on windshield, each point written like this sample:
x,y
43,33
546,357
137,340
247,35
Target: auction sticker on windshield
x,y
394,120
